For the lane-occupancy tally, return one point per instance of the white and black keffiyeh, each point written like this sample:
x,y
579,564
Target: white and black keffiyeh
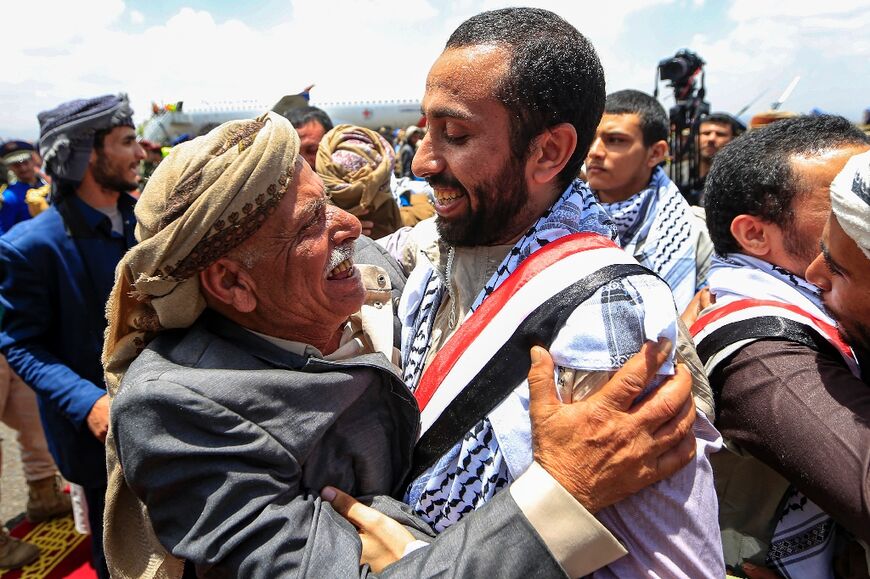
x,y
657,227
575,211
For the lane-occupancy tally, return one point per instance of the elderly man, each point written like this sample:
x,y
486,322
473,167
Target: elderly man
x,y
524,254
56,271
790,402
234,347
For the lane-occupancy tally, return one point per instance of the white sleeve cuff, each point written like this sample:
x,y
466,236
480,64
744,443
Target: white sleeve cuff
x,y
413,546
576,539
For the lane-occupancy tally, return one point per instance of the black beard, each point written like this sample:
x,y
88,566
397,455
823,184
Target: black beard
x,y
500,203
107,179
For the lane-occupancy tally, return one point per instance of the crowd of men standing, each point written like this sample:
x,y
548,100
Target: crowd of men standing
x,y
572,368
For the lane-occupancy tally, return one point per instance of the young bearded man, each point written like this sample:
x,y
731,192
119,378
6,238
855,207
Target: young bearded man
x,y
57,270
790,401
654,222
508,132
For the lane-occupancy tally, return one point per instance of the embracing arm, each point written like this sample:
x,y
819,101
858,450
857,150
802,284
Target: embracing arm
x,y
224,494
625,447
806,416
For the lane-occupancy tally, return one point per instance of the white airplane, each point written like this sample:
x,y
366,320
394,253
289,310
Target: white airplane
x,y
172,121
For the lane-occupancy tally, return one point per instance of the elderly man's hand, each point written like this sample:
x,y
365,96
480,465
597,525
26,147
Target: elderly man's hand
x,y
605,448
383,539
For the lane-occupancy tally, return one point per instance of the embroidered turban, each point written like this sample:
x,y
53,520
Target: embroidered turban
x,y
203,200
356,164
850,200
66,133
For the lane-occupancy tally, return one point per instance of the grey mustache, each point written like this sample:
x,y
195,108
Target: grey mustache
x,y
338,255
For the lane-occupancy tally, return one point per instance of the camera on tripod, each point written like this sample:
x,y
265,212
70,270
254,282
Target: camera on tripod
x,y
683,71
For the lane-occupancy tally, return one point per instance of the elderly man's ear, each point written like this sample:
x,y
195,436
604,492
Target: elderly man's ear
x,y
226,283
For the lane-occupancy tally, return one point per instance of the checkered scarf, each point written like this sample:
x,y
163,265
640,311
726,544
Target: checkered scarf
x,y
575,211
656,227
470,474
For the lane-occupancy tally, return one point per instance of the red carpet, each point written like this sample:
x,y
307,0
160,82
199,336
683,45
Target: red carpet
x,y
65,553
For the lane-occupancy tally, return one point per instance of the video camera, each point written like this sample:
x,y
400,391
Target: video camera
x,y
682,71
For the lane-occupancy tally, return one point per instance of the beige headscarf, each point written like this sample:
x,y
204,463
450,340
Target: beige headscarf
x,y
205,198
355,164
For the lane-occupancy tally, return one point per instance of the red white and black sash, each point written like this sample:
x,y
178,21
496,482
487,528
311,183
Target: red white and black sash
x,y
488,356
726,328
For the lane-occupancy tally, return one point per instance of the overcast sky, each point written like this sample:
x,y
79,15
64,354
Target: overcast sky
x,y
226,50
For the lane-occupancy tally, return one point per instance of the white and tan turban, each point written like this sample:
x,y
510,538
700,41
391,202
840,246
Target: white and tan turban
x,y
205,198
850,200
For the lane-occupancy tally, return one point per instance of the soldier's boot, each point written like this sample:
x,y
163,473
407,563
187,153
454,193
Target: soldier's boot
x,y
46,500
15,553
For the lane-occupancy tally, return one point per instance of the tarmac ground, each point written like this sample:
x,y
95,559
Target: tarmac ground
x,y
13,488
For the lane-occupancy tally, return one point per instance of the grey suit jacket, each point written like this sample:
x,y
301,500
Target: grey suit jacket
x,y
228,440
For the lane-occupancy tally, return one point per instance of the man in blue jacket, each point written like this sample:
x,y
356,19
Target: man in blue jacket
x,y
56,271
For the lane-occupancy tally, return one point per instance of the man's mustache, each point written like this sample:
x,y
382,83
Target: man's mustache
x,y
339,254
442,181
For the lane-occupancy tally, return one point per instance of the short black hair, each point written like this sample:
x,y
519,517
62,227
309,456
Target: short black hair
x,y
554,76
654,122
304,115
753,174
737,127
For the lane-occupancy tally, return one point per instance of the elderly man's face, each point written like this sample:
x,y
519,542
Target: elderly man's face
x,y
303,261
842,272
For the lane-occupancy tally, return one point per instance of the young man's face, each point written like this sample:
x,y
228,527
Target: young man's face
x,y
115,165
712,137
310,135
842,272
480,187
619,165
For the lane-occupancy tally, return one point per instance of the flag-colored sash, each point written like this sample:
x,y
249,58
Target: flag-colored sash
x,y
488,356
723,330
